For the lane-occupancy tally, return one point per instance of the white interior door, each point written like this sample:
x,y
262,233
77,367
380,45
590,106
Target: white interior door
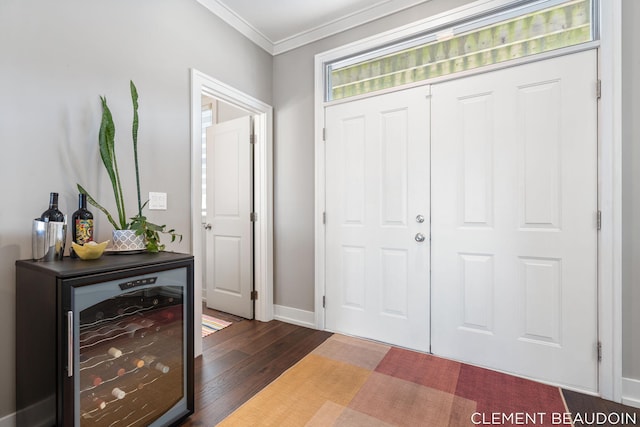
x,y
377,205
229,238
514,234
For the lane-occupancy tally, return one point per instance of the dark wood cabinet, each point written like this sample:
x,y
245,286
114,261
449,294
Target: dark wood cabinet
x,y
105,341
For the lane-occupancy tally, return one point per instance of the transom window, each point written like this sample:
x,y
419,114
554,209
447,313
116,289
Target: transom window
x,y
517,32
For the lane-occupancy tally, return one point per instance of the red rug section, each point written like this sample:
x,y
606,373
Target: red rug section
x,y
499,397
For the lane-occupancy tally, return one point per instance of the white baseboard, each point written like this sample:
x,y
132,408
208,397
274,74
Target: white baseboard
x,y
631,392
8,421
295,316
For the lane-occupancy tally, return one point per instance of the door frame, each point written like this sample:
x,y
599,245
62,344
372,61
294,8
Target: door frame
x,y
609,168
262,191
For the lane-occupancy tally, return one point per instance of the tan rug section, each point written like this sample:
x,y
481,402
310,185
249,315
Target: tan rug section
x,y
352,382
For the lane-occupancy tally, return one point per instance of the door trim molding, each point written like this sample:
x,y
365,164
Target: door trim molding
x,y
610,201
262,185
609,173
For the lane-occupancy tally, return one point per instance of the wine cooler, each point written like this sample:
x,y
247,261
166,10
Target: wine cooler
x,y
107,342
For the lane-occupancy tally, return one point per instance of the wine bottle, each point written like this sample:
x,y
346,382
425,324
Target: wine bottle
x,y
89,381
112,371
92,402
114,352
152,363
52,214
118,393
82,224
132,362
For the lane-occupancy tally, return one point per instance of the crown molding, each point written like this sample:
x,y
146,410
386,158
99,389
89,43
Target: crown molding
x,y
239,24
376,11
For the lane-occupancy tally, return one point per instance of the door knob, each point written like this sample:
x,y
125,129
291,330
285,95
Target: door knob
x,y
207,226
420,219
419,237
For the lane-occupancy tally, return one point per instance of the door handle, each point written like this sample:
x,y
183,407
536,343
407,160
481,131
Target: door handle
x,y
207,226
420,238
70,343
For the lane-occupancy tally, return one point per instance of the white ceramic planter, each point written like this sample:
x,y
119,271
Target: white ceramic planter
x,y
126,240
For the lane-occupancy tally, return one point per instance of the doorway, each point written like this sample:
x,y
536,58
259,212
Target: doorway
x,y
508,204
228,208
261,181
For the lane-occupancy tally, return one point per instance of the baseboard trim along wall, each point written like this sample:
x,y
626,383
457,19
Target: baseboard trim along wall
x,y
631,392
295,316
8,421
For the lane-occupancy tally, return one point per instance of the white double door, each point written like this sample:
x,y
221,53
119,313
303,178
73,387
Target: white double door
x,y
503,168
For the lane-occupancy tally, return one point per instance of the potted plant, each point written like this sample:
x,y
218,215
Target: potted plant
x,y
135,232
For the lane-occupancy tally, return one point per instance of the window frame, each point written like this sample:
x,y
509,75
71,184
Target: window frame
x,y
475,22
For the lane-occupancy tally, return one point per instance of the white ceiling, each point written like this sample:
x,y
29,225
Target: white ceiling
x,y
281,25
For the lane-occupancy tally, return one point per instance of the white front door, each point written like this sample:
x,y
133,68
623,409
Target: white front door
x,y
514,234
229,238
377,218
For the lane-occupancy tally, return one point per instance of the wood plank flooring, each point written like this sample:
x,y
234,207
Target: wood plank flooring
x,y
584,408
240,360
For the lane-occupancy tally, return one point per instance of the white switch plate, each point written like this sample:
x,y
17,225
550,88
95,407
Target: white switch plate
x,y
157,201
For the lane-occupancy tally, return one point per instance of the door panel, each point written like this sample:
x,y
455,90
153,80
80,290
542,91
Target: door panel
x,y
377,278
229,268
514,202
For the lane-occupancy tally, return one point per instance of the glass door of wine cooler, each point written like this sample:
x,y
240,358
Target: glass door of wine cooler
x,y
129,350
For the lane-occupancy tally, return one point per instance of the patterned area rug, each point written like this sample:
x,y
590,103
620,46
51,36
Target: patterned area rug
x,y
211,324
352,382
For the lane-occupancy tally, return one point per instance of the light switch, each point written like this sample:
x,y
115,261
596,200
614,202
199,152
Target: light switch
x,y
157,201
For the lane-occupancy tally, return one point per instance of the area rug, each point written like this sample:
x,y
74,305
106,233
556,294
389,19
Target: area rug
x,y
353,382
211,324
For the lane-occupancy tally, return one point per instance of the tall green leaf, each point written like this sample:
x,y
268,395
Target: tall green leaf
x,y
93,202
106,141
134,133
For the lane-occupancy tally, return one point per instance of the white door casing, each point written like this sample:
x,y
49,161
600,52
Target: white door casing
x,y
201,84
377,186
514,234
229,238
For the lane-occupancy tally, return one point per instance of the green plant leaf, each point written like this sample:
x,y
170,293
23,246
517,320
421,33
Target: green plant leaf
x,y
106,142
92,201
152,232
134,134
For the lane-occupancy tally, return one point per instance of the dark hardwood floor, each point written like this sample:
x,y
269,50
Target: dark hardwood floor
x,y
590,411
240,360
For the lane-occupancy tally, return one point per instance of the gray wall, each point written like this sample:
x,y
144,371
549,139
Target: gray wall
x,y
631,189
55,59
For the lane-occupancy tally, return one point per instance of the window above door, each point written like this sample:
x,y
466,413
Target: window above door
x,y
518,30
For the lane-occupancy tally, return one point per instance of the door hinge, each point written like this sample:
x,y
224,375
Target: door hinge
x,y
324,301
599,89
599,220
254,295
324,217
324,134
599,351
253,139
253,217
